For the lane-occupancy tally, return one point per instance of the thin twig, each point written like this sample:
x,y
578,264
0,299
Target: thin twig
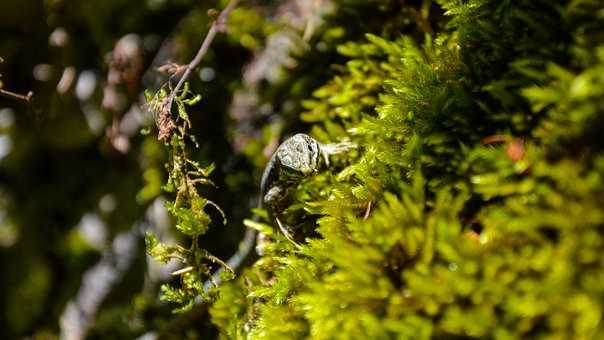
x,y
9,94
496,139
24,97
217,26
367,211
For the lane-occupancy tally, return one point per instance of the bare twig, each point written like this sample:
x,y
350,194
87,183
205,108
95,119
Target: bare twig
x,y
24,97
367,211
496,139
217,26
9,94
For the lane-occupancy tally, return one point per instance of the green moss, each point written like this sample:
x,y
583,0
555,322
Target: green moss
x,y
473,207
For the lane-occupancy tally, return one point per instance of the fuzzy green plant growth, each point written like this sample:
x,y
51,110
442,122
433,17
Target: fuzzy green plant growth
x,y
188,207
474,207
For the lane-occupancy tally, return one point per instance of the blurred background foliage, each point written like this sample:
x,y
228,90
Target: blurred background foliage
x,y
472,208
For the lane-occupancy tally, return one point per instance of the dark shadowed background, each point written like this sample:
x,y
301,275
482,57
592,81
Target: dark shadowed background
x,y
79,183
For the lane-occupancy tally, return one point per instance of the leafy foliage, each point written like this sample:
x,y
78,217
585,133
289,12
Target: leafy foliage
x,y
188,207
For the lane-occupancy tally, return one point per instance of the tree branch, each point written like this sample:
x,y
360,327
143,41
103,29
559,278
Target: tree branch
x,y
9,94
217,26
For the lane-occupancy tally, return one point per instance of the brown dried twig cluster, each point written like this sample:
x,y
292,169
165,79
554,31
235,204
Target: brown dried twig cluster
x,y
164,122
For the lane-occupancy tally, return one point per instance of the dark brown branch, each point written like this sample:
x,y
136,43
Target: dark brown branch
x,y
217,26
